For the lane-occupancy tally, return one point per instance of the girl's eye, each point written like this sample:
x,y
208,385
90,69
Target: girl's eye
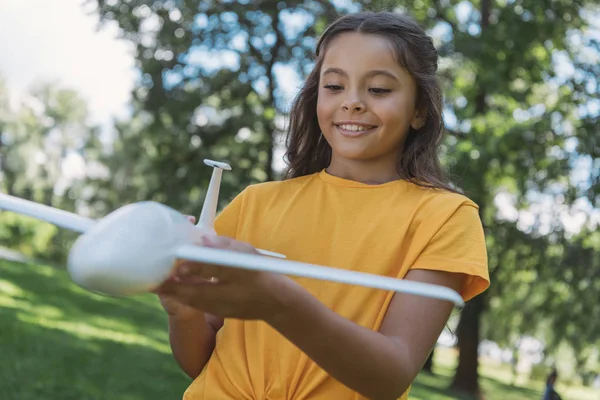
x,y
379,90
333,88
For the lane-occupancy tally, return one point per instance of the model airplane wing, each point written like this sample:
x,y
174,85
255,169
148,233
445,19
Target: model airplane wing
x,y
64,219
294,268
55,216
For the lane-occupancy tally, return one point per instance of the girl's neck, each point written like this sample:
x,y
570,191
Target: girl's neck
x,y
367,172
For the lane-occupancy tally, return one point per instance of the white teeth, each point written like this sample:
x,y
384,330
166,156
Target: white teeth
x,y
353,128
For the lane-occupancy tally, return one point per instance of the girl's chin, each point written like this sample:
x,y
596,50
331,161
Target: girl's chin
x,y
352,151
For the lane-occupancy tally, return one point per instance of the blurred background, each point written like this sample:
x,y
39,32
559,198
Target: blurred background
x,y
108,102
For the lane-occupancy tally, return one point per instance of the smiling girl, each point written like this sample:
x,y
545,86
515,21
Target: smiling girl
x,y
364,192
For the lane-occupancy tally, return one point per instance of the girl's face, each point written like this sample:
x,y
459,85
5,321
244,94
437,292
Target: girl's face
x,y
366,100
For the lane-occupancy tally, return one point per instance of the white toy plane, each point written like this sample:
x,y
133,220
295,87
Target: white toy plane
x,y
133,249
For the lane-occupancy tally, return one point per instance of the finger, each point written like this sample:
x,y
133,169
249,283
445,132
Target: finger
x,y
193,270
225,243
165,287
199,296
191,218
174,275
221,242
215,274
197,279
190,270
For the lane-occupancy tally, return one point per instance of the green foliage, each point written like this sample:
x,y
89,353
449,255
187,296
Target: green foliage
x,y
25,235
208,88
39,136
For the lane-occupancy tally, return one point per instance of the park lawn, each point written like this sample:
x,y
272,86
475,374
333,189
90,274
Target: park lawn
x,y
58,341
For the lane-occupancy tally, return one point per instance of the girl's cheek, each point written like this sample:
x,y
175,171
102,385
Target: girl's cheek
x,y
325,102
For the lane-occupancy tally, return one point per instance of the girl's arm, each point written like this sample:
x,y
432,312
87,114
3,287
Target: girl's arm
x,y
192,341
379,365
192,332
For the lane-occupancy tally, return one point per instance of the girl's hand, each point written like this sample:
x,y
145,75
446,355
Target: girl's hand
x,y
228,292
171,305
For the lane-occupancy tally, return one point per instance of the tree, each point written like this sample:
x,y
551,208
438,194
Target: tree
x,y
208,88
428,366
40,137
509,115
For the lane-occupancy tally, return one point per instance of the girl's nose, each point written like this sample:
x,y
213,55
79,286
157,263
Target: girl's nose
x,y
353,105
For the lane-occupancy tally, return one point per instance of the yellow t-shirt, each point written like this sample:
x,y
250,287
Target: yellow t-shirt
x,y
384,229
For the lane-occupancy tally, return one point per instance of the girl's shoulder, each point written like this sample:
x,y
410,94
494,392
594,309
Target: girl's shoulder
x,y
435,198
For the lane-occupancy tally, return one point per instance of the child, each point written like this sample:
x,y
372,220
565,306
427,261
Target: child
x,y
364,192
550,392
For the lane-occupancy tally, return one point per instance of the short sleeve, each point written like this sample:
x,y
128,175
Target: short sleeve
x,y
226,222
459,246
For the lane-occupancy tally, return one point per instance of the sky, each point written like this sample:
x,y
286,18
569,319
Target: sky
x,y
54,40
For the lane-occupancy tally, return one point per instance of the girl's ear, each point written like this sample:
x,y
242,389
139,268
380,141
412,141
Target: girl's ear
x,y
419,119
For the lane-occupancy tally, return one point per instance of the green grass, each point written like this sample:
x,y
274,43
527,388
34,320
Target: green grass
x,y
495,380
434,387
58,341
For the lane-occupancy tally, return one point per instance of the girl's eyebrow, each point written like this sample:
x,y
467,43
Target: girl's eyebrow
x,y
369,74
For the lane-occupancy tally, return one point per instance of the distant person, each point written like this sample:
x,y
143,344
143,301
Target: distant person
x,y
550,393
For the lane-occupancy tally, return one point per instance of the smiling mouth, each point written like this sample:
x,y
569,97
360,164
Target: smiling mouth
x,y
354,129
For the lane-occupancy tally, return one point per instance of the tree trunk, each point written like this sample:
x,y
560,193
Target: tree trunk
x,y
428,366
466,378
279,42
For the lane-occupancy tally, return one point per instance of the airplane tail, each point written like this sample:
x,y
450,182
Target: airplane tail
x,y
209,209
